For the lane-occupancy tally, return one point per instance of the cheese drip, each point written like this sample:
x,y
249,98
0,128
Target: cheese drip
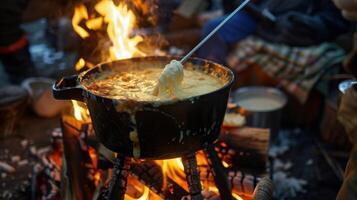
x,y
170,80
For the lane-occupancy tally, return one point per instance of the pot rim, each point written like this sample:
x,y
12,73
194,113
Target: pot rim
x,y
231,79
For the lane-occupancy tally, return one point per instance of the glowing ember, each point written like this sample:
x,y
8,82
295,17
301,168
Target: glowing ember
x,y
97,178
225,164
215,190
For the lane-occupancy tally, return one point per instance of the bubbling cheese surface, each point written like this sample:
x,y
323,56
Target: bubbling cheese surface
x,y
138,84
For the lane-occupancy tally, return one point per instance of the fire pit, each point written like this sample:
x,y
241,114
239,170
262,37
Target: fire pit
x,y
165,179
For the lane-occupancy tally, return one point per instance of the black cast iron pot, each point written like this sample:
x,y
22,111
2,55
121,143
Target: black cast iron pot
x,y
157,130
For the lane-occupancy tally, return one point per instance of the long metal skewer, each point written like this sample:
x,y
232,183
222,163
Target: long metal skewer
x,y
214,31
171,70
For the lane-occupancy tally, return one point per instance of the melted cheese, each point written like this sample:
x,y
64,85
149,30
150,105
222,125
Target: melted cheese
x,y
139,84
170,79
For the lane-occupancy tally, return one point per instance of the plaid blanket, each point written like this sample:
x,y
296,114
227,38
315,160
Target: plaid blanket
x,y
297,69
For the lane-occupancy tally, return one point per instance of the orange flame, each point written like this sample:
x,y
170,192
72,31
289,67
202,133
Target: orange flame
x,y
119,22
80,112
95,24
173,169
97,177
80,13
80,64
144,196
215,190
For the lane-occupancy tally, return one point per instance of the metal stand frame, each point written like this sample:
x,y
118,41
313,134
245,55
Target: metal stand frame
x,y
192,176
119,181
220,176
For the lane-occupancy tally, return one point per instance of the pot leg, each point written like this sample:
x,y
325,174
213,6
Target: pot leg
x,y
117,186
192,176
220,176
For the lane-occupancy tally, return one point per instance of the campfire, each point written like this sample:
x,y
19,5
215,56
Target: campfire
x,y
101,175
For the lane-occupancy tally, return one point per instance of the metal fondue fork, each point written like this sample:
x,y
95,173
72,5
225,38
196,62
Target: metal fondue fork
x,y
189,54
178,73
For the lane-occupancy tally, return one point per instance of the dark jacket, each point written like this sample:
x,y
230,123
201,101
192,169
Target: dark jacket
x,y
10,20
301,22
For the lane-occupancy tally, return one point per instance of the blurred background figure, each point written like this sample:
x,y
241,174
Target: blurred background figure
x,y
29,52
14,43
295,23
348,107
14,46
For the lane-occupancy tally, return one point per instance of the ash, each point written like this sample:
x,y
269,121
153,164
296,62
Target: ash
x,y
298,168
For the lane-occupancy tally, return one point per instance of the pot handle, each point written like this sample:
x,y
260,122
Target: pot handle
x,y
68,88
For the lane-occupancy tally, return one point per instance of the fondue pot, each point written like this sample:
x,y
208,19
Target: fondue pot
x,y
157,130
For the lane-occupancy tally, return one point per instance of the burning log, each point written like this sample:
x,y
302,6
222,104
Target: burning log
x,y
150,174
248,147
147,172
241,183
264,190
75,156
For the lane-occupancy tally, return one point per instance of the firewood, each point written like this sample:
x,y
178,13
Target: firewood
x,y
150,174
241,183
250,146
77,155
264,190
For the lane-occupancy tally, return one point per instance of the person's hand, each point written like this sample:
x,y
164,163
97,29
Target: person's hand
x,y
348,8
